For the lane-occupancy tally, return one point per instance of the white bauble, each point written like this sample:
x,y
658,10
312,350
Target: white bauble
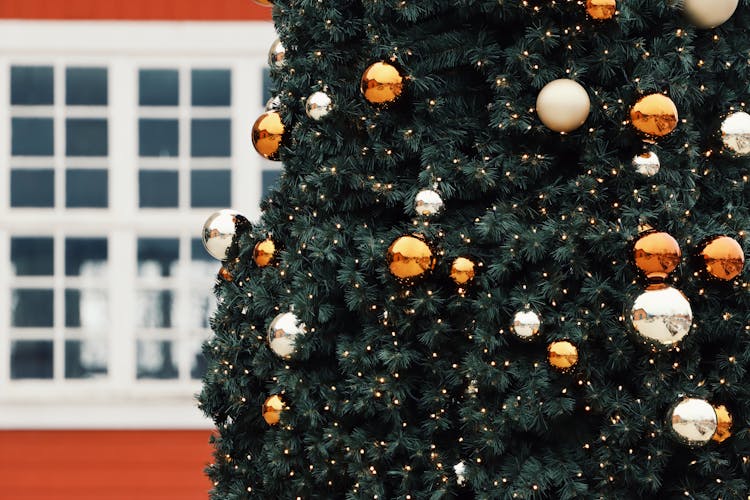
x,y
708,14
563,105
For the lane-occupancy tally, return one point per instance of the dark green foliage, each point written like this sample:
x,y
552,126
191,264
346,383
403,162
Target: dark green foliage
x,y
377,395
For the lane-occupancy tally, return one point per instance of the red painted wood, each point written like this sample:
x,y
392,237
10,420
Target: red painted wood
x,y
112,465
170,10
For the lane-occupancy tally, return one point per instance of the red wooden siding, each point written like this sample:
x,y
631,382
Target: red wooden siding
x,y
111,465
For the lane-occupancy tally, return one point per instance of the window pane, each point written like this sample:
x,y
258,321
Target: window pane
x,y
158,87
85,256
156,359
157,188
210,138
211,87
32,188
198,251
32,256
157,256
198,362
86,188
157,137
86,86
32,137
210,188
32,308
270,178
267,83
154,308
202,305
31,359
86,137
31,85
85,358
88,309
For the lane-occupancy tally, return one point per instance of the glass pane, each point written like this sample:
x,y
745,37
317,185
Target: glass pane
x,y
86,137
210,138
85,358
85,256
158,87
32,307
198,362
86,86
267,84
31,85
270,178
157,188
87,308
157,256
198,251
211,87
32,188
202,306
210,188
32,137
86,188
157,137
154,308
156,359
31,359
32,256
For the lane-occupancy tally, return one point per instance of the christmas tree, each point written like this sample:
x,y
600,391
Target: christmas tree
x,y
504,260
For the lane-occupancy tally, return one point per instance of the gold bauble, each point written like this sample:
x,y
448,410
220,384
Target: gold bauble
x,y
462,270
410,258
654,115
562,354
382,83
563,105
264,252
723,258
272,409
724,424
657,255
225,274
708,14
601,9
268,132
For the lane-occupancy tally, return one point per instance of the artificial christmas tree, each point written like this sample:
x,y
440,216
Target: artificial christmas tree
x,y
505,256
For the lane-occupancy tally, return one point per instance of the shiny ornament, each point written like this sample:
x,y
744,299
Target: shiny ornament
x,y
382,83
220,229
601,9
562,355
706,14
693,421
318,105
563,105
410,258
661,316
735,133
273,104
723,424
268,132
723,258
654,115
647,164
277,54
526,324
462,270
428,203
657,255
264,252
283,333
460,471
225,274
272,409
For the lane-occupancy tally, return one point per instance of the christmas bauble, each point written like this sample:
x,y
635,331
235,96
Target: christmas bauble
x,y
563,105
657,255
735,133
723,424
707,14
277,54
646,164
268,132
654,115
409,258
219,230
272,409
428,203
601,9
264,252
283,333
462,270
273,104
562,355
318,105
693,421
723,258
661,316
382,83
225,274
526,324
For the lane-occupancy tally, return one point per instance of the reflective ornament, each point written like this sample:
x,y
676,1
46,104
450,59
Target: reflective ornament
x,y
318,105
563,105
661,316
654,115
219,230
264,3
382,83
272,409
268,132
657,255
460,471
723,258
472,389
273,104
723,424
706,14
264,252
526,324
225,274
693,421
428,203
601,9
562,355
735,133
462,270
647,164
283,333
277,54
410,258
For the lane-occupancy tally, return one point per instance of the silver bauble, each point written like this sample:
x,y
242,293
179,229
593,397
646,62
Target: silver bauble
x,y
735,133
693,421
318,105
428,203
219,230
647,164
526,324
273,104
277,54
283,333
661,316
